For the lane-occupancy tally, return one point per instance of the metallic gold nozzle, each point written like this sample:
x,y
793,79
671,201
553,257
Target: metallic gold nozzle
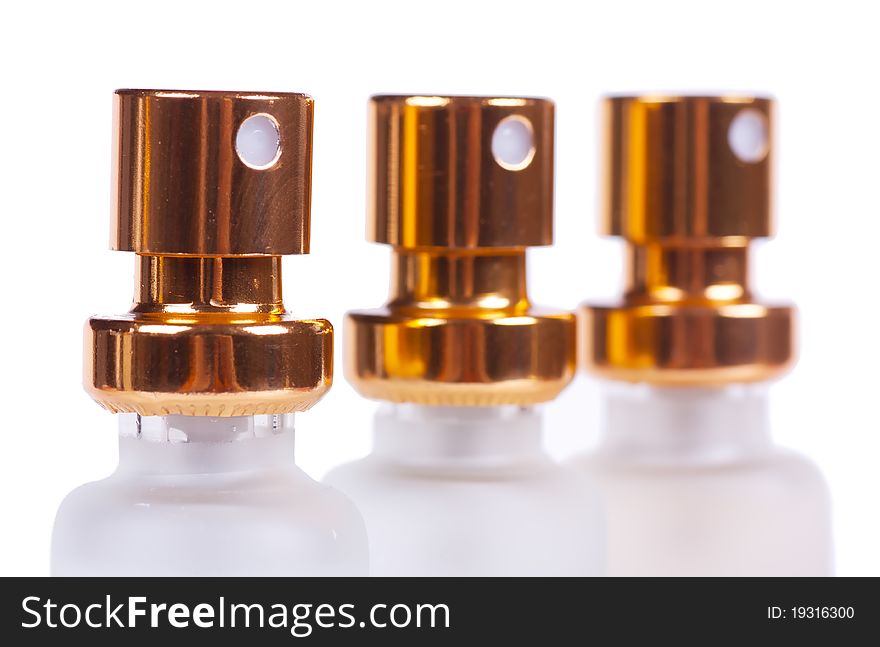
x,y
460,186
688,186
210,189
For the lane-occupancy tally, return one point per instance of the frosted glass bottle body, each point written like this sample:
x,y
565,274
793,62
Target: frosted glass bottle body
x,y
693,485
468,491
207,496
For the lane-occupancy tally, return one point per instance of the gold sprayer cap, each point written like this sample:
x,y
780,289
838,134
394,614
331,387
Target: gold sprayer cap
x,y
460,187
210,189
688,186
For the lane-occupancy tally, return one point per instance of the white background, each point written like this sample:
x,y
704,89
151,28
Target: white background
x,y
61,62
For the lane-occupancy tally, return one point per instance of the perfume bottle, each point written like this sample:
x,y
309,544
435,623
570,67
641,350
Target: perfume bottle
x,y
207,369
457,482
691,479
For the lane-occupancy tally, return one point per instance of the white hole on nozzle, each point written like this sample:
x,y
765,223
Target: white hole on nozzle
x,y
513,143
748,136
258,141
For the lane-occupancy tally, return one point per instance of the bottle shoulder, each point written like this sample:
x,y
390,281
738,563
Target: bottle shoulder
x,y
542,469
272,494
775,473
477,522
372,481
255,525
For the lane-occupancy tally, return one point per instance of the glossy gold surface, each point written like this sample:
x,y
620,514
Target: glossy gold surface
x,y
670,173
211,337
181,188
208,334
435,182
459,329
688,206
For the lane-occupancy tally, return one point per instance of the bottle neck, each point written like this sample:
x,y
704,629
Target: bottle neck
x,y
649,423
182,286
164,445
459,280
431,436
714,274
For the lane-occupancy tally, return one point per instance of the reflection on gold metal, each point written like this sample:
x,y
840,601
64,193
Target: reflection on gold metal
x,y
434,181
688,186
459,328
180,188
208,334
